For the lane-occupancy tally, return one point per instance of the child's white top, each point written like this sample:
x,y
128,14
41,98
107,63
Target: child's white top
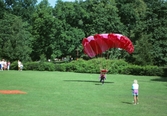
x,y
135,86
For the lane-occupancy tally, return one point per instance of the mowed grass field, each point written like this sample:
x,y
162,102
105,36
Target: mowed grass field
x,y
75,94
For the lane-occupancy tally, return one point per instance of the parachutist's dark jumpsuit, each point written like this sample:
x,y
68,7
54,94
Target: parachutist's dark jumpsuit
x,y
102,77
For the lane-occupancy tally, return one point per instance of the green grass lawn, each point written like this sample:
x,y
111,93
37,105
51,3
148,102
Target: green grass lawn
x,y
75,94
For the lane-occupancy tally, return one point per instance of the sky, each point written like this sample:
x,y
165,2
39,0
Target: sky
x,y
52,2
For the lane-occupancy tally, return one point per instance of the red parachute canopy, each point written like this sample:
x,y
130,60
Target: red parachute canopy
x,y
99,43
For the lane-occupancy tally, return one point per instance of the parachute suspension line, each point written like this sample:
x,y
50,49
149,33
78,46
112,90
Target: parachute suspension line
x,y
103,63
107,64
100,61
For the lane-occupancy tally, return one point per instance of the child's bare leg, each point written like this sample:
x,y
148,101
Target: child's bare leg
x,y
137,99
134,97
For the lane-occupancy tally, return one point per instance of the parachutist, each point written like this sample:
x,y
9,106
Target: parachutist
x,y
103,75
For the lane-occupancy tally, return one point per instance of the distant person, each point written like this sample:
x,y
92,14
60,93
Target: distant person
x,y
8,65
20,65
0,64
135,91
4,65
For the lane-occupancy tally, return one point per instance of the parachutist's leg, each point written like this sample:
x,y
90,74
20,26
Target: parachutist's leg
x,y
102,81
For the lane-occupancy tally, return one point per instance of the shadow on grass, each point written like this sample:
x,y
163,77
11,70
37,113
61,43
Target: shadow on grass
x,y
88,81
162,79
127,103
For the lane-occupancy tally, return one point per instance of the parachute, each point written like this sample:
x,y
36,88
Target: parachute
x,y
99,43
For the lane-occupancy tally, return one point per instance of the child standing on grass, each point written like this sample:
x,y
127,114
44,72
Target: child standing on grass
x,y
135,88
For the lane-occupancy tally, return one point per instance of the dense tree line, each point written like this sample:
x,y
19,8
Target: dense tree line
x,y
30,31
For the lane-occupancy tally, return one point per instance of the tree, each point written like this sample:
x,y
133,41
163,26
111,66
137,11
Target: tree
x,y
100,17
156,25
14,38
88,17
2,8
143,52
69,35
23,8
43,30
132,13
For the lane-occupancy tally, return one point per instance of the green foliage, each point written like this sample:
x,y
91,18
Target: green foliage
x,y
60,67
2,8
29,30
39,66
22,8
31,66
94,66
143,70
42,58
153,71
14,65
143,52
156,26
114,67
165,71
131,13
117,66
133,70
43,29
46,66
14,38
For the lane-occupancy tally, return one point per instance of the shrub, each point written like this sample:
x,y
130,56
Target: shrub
x,y
133,70
117,66
14,66
71,67
164,71
93,66
153,71
31,66
47,66
40,66
60,67
143,70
